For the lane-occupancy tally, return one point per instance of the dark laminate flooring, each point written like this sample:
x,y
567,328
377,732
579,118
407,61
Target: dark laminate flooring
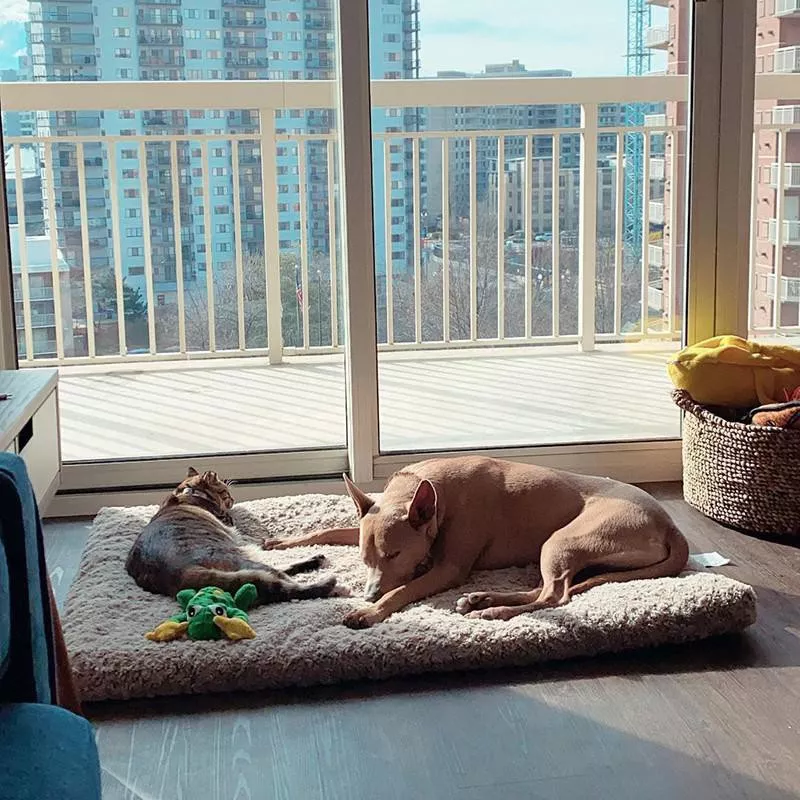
x,y
719,719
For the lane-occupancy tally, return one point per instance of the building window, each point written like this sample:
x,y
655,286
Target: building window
x,y
133,232
134,251
124,74
214,54
212,14
122,33
131,193
122,52
129,154
119,12
275,16
192,33
224,247
130,173
191,13
132,213
212,35
276,36
223,228
222,209
220,190
193,54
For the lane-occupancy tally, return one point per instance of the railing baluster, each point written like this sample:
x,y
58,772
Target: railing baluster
x,y
387,244
751,305
501,237
272,252
332,258
22,233
237,234
587,225
53,232
645,189
177,235
417,241
473,237
555,247
207,201
674,320
445,239
527,210
116,233
619,231
301,177
777,306
148,248
85,249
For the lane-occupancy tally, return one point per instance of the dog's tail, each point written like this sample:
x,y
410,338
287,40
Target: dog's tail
x,y
272,587
672,565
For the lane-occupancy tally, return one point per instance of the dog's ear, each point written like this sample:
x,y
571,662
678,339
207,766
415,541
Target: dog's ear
x,y
191,472
362,501
423,505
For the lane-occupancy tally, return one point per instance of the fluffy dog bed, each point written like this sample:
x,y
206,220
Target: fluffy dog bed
x,y
304,643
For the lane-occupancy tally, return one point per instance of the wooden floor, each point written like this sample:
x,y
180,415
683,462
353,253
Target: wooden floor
x,y
719,719
428,400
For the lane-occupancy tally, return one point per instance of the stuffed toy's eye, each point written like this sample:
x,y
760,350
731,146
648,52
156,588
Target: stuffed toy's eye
x,y
192,611
219,611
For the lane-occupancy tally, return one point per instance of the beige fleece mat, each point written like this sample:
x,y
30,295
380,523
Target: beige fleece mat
x,y
304,643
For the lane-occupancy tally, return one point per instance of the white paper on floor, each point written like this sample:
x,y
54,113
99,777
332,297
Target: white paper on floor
x,y
700,560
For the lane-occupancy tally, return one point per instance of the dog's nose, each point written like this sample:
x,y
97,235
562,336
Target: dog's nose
x,y
372,592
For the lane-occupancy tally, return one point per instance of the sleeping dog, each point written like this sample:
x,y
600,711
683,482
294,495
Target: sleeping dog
x,y
438,520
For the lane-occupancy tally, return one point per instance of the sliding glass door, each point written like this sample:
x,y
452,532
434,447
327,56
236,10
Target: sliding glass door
x,y
293,237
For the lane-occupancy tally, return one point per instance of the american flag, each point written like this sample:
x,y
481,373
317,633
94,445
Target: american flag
x,y
299,286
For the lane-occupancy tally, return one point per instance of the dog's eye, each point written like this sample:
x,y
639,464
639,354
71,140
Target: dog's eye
x,y
218,611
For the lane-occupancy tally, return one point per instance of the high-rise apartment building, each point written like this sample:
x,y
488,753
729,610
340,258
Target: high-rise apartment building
x,y
523,117
180,40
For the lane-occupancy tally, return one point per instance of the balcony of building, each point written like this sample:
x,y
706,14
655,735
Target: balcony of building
x,y
787,8
657,169
657,38
183,337
790,232
787,59
791,176
655,255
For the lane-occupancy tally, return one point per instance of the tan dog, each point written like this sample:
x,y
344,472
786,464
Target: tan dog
x,y
440,519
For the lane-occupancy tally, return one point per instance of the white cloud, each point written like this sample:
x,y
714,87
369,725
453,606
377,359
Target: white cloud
x,y
13,11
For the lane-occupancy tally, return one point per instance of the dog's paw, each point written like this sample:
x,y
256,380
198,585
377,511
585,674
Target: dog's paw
x,y
363,618
498,612
275,543
474,600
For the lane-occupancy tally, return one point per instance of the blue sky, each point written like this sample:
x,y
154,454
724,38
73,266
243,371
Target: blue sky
x,y
585,36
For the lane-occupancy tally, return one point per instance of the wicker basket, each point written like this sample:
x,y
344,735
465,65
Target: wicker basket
x,y
744,476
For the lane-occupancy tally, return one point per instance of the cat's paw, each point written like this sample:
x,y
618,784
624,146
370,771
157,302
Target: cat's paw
x,y
275,543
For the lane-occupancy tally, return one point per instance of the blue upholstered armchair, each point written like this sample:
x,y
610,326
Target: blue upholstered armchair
x,y
45,751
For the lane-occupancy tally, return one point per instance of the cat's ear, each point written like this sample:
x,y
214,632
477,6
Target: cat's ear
x,y
191,472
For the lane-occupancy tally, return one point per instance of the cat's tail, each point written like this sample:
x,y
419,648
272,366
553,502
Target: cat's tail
x,y
272,586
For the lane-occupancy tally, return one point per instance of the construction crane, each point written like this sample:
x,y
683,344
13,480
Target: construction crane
x,y
639,59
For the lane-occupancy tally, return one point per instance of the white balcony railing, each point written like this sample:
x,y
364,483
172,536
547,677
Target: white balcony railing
x,y
790,288
787,59
656,212
786,115
275,290
655,121
657,169
791,231
785,8
657,38
655,255
791,176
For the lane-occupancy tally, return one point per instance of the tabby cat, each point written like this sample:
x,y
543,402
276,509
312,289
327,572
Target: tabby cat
x,y
191,543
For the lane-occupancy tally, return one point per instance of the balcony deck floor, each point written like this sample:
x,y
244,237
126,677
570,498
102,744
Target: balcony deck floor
x,y
428,400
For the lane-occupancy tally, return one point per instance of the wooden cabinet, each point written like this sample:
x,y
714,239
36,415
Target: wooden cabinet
x,y
29,427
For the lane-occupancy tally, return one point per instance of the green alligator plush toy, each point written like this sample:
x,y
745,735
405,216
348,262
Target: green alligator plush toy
x,y
209,614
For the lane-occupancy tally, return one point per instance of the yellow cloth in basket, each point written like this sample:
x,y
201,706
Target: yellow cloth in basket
x,y
730,371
